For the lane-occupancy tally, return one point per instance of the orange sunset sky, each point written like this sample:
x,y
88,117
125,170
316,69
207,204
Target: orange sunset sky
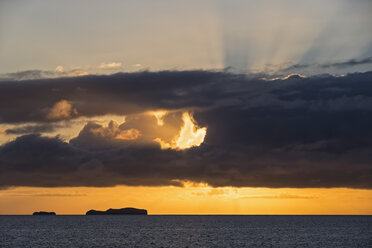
x,y
186,107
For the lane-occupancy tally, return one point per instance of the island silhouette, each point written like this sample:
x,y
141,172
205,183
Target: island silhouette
x,y
44,213
121,211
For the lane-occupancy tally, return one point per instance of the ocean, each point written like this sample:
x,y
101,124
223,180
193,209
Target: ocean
x,y
186,231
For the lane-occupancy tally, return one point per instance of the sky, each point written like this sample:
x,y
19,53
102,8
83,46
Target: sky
x,y
192,107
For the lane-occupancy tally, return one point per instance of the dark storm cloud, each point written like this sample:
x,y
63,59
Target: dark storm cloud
x,y
126,93
50,162
123,93
298,132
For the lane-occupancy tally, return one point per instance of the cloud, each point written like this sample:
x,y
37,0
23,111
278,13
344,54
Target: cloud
x,y
45,195
61,110
159,115
339,65
110,66
27,129
127,93
28,75
42,74
94,132
59,69
349,63
190,134
34,160
2,131
76,73
130,134
219,192
289,132
280,196
121,94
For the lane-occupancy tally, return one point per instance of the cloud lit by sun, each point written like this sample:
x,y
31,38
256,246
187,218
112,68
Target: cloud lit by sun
x,y
159,115
190,135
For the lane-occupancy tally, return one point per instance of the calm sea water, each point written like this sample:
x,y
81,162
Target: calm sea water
x,y
186,231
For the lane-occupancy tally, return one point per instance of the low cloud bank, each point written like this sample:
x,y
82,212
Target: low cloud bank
x,y
293,132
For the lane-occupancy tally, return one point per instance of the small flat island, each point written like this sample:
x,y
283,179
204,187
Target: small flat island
x,y
44,213
121,211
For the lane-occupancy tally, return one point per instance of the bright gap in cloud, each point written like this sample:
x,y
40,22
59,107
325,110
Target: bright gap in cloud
x,y
190,135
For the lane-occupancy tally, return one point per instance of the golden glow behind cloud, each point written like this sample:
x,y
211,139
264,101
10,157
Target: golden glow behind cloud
x,y
159,115
190,135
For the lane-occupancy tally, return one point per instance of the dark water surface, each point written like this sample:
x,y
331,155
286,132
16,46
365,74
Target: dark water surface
x,y
186,231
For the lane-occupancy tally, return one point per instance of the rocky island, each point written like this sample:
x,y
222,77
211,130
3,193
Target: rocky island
x,y
44,213
121,211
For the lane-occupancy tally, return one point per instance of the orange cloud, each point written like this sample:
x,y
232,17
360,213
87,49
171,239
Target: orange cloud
x,y
129,134
114,131
2,130
61,110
